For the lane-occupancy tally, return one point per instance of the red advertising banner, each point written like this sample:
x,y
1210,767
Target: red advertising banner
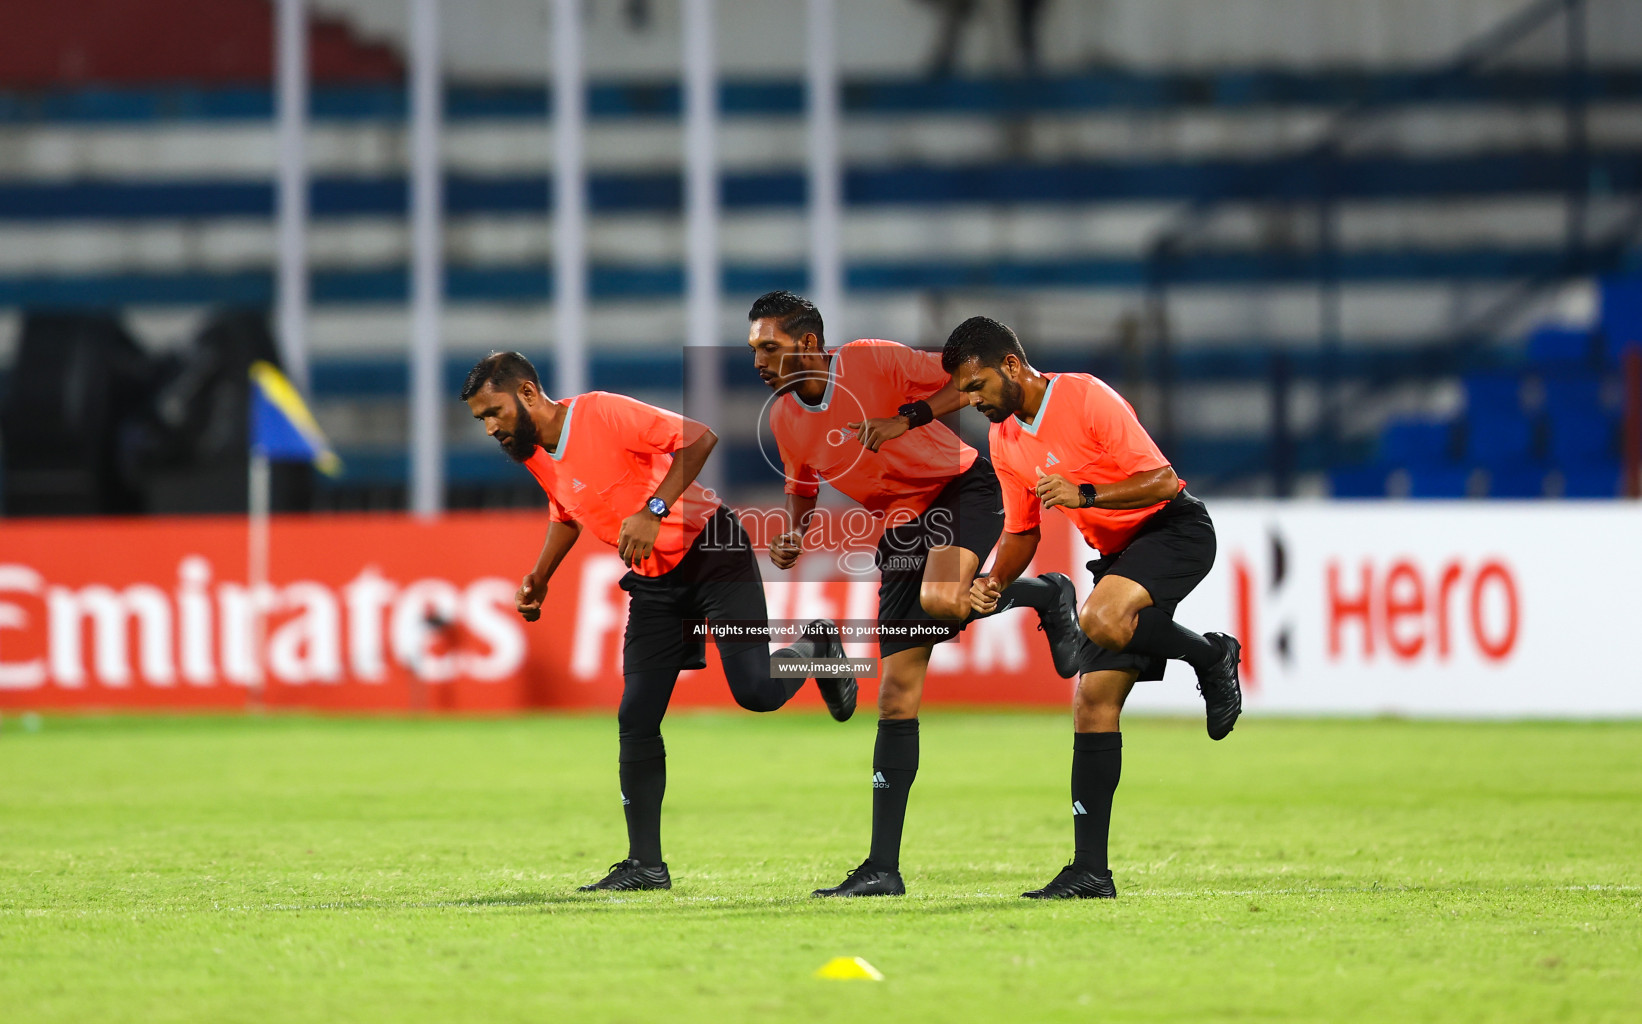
x,y
385,612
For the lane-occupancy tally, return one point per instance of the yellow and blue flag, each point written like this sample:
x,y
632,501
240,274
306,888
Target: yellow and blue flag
x,y
282,428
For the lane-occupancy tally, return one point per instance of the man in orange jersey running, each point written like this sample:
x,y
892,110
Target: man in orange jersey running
x,y
862,418
1068,441
626,472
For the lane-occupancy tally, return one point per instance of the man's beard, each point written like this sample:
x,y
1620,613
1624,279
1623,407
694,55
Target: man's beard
x,y
1008,405
521,444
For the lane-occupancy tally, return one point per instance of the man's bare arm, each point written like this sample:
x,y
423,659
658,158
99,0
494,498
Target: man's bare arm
x,y
785,549
1138,491
1014,554
561,537
687,463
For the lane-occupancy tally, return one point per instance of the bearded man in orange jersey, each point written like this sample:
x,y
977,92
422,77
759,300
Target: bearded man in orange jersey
x,y
1068,441
626,472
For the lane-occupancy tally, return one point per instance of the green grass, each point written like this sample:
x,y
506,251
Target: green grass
x,y
423,870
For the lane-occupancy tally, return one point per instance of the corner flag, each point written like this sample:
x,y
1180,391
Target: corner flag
x,y
282,428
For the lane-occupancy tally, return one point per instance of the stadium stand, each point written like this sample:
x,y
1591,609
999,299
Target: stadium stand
x,y
1044,200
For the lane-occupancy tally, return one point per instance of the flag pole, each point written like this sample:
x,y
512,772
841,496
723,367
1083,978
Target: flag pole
x,y
256,571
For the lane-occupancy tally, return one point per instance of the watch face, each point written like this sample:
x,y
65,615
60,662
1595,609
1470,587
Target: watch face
x,y
658,507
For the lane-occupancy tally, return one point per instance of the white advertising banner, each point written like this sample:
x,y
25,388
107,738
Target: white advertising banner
x,y
1422,608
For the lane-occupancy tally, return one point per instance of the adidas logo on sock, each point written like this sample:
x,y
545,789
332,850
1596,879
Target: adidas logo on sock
x,y
1050,459
624,800
878,781
1077,808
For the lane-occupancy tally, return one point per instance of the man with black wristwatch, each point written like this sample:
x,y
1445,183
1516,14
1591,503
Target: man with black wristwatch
x,y
1068,441
863,418
626,472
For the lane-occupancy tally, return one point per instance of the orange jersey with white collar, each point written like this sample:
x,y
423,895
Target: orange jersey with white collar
x,y
870,379
1085,432
612,454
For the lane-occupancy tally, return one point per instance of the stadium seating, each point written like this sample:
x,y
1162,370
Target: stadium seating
x,y
1524,481
1358,481
1596,480
1417,442
1012,195
1439,482
1561,348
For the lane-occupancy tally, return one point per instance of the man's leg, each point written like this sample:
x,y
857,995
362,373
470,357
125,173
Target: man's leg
x,y
644,701
894,767
951,570
747,665
1119,615
643,767
1097,761
1097,764
895,755
944,594
948,572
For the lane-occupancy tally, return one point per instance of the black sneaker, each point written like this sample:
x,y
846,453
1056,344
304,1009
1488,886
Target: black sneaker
x,y
1222,693
838,691
1067,641
627,875
868,880
1075,883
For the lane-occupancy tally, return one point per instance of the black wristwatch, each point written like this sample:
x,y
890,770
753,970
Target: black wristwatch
x,y
657,507
1086,492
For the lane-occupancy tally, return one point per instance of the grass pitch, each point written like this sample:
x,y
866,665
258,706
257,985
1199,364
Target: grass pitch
x,y
286,869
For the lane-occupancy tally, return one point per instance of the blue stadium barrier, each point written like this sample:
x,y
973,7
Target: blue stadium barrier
x,y
1089,91
389,378
921,185
532,282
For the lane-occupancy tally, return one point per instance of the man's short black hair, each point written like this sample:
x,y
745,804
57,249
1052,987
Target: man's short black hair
x,y
504,371
796,315
981,338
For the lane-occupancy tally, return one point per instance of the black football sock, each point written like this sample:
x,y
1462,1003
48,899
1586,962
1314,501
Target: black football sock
x,y
894,766
1158,634
1097,761
1026,592
643,782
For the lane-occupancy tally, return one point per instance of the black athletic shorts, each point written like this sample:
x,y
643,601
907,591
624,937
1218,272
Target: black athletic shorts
x,y
717,579
967,513
1169,556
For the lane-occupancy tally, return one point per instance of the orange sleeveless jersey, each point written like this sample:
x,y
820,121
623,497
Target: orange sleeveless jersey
x,y
612,454
1087,433
868,379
